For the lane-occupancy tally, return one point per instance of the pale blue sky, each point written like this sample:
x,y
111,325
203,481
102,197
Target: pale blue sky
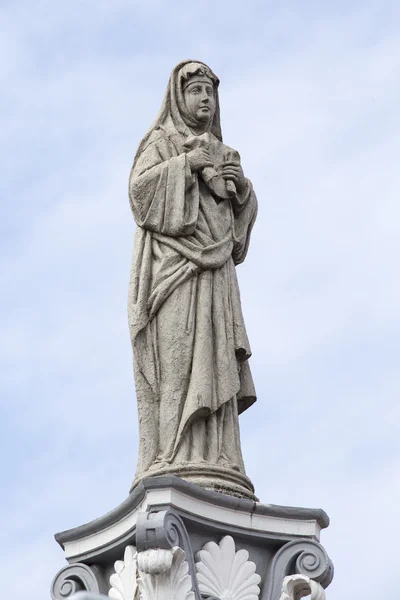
x,y
310,96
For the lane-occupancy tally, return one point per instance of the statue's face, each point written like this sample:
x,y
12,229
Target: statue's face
x,y
200,99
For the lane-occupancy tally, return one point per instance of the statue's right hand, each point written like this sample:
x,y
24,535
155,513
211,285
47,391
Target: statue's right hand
x,y
199,158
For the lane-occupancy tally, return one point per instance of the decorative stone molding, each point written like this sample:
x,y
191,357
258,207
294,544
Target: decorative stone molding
x,y
156,568
124,581
305,557
295,587
165,530
165,575
155,561
76,578
110,533
226,574
164,513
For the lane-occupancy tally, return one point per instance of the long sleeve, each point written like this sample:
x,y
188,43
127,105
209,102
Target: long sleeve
x,y
245,211
163,193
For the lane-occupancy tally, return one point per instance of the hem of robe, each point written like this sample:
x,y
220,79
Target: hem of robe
x,y
204,412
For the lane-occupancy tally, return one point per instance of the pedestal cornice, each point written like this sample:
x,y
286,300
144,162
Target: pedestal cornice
x,y
109,534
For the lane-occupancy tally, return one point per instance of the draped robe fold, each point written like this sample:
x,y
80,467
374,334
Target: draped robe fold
x,y
188,335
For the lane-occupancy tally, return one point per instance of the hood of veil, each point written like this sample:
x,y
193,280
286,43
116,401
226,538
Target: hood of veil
x,y
173,115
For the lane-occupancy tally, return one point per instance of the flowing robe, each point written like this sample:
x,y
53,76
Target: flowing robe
x,y
188,335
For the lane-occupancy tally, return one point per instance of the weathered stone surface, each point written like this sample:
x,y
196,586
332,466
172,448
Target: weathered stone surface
x,y
194,211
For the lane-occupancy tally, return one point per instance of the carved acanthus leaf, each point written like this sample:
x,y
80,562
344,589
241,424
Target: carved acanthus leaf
x,y
165,578
295,587
124,581
226,574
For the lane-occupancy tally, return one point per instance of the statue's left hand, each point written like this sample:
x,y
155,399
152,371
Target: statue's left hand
x,y
233,171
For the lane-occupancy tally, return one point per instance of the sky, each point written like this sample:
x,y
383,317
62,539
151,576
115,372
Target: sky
x,y
310,96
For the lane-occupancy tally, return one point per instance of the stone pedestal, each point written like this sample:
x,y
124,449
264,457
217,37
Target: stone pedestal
x,y
173,539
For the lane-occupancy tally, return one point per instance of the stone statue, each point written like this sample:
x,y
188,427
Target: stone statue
x,y
194,211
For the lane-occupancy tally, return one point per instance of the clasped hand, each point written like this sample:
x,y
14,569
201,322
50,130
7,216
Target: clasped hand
x,y
199,158
233,171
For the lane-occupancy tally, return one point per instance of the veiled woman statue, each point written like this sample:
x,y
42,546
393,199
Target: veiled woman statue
x,y
194,211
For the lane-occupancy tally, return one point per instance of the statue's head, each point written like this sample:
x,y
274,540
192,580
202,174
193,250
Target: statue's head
x,y
199,88
190,105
